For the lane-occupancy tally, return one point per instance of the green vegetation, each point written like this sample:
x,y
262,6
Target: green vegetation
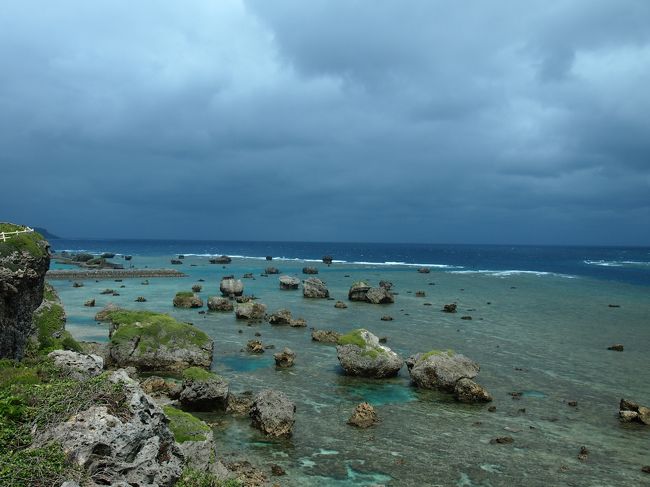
x,y
197,373
184,294
424,356
185,426
154,330
353,338
196,478
35,395
49,294
32,242
50,322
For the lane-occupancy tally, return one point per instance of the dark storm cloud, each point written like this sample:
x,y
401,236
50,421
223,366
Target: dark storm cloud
x,y
329,120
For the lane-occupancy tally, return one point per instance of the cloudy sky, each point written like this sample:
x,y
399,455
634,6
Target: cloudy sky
x,y
350,120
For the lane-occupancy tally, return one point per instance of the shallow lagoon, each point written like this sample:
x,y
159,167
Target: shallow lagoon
x,y
542,334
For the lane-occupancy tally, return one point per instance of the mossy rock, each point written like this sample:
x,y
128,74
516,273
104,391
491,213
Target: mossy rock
x,y
32,243
197,373
185,426
49,322
187,299
353,338
157,342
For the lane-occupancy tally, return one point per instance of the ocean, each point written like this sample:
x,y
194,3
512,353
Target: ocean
x,y
541,324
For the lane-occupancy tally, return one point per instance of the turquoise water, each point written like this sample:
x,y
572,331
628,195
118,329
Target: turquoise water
x,y
543,335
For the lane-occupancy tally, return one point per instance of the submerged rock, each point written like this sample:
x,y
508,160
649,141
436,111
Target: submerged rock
x,y
285,358
360,353
273,413
187,299
616,347
231,287
215,303
203,390
289,282
80,366
450,308
364,416
314,288
325,336
250,311
440,369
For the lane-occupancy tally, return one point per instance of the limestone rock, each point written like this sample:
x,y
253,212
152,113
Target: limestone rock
x,y
80,366
204,391
285,358
216,303
468,391
309,270
364,416
273,413
231,287
325,336
187,300
250,311
289,282
440,369
314,288
360,353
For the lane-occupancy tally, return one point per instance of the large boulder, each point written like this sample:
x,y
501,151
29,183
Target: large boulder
x,y
314,288
80,366
187,299
132,446
215,303
250,311
289,282
440,369
362,291
468,391
152,341
203,390
360,353
273,413
231,287
285,358
310,270
358,291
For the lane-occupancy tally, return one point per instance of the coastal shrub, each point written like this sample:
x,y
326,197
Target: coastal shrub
x,y
49,322
31,243
37,467
353,338
185,426
196,478
424,356
153,330
197,373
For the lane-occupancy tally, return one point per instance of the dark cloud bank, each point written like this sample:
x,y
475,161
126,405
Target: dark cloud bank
x,y
429,121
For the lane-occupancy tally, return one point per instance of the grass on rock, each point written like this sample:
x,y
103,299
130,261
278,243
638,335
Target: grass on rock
x,y
185,426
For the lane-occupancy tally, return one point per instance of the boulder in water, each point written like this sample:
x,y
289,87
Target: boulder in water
x,y
273,413
360,353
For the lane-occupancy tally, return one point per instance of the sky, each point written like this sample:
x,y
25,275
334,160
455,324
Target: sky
x,y
328,120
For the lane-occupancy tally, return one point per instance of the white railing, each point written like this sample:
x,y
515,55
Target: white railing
x,y
4,236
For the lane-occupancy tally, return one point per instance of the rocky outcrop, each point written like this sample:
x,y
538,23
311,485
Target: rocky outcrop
x,y
442,370
24,260
289,282
362,291
314,288
360,353
152,341
187,299
255,346
231,287
203,390
285,358
79,366
131,447
280,317
364,416
273,413
630,411
216,303
325,336
468,391
250,311
309,270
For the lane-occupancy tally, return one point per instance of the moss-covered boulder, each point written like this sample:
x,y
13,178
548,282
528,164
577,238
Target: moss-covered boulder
x,y
360,353
187,299
157,342
203,390
440,369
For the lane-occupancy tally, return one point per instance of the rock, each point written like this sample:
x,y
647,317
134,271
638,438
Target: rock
x,y
77,284
584,454
420,294
358,291
364,416
440,369
197,288
314,288
360,353
645,469
128,257
468,391
231,287
386,318
200,455
362,291
136,448
280,317
309,270
424,270
627,405
617,347
250,311
176,262
277,470
140,299
387,285
154,385
502,440
243,299
203,390
273,413
289,282
70,483
248,275
269,257
152,341
327,259
450,308
340,305
255,346
187,299
107,291
325,336
90,303
272,270
573,404
644,414
285,358
216,303
224,259
107,255
632,411
628,416
467,317
80,366
298,323
240,404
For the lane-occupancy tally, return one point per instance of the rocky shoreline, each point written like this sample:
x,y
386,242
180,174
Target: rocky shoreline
x,y
112,273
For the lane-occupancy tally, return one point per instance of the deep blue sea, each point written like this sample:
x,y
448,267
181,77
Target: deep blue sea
x,y
623,264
